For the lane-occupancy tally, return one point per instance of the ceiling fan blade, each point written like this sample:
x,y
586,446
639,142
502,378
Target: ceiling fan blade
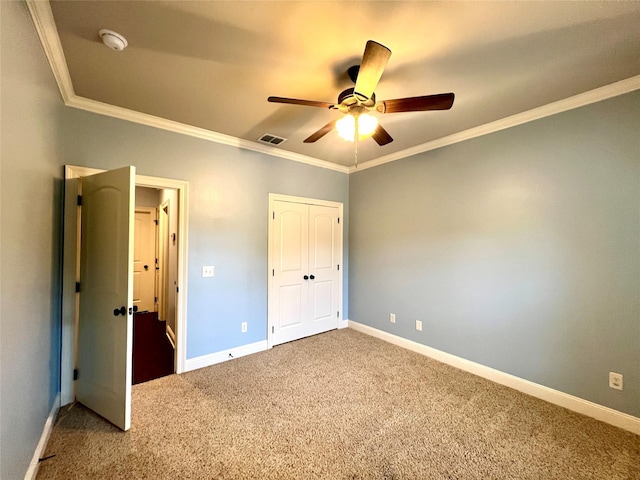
x,y
374,60
322,132
295,101
442,101
381,136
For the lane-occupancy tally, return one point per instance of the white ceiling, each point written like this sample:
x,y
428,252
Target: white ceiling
x,y
212,65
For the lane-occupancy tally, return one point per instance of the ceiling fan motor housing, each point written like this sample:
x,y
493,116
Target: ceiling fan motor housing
x,y
348,99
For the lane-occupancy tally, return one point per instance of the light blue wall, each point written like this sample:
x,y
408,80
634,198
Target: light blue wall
x,y
30,239
518,250
227,227
228,205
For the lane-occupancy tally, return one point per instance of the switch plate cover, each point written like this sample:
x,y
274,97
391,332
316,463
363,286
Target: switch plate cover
x,y
208,271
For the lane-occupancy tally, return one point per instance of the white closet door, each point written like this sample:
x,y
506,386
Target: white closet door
x,y
323,268
305,250
290,299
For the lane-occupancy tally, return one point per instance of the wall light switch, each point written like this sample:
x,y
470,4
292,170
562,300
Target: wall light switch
x,y
419,325
208,271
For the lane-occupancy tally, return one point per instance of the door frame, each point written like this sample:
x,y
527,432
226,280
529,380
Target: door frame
x,y
274,197
162,261
71,270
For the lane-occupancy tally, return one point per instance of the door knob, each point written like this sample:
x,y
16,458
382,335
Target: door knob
x,y
146,267
306,277
312,277
120,311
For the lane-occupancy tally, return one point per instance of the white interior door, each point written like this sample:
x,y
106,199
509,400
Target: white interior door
x,y
144,259
105,329
324,241
305,288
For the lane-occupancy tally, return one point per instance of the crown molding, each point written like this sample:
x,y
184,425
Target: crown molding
x,y
162,123
592,96
42,17
44,23
45,26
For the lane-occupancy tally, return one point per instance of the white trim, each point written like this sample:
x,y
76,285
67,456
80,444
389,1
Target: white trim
x,y
224,355
162,123
576,101
45,24
343,323
276,197
32,471
570,402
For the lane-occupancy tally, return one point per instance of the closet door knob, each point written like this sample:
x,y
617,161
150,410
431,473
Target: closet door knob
x,y
312,277
306,277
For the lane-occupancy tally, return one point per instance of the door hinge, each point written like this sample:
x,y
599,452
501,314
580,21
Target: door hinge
x,y
155,299
79,200
273,329
338,220
77,287
273,272
338,314
155,221
274,215
338,266
75,373
177,289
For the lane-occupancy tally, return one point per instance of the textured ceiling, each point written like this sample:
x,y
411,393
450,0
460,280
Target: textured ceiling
x,y
213,64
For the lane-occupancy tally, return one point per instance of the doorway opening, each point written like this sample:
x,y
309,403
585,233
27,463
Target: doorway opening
x,y
155,283
170,291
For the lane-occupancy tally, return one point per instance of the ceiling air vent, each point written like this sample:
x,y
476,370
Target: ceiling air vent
x,y
272,139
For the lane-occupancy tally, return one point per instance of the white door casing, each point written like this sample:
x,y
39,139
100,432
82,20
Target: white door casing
x,y
144,258
162,261
305,281
105,328
71,271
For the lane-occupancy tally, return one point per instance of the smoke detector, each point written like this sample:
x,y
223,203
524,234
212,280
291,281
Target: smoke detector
x,y
113,40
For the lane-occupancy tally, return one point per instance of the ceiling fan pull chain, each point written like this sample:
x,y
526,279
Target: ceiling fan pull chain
x,y
356,139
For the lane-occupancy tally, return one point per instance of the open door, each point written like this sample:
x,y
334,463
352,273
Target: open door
x,y
105,328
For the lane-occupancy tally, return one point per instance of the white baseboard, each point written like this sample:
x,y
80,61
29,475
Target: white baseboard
x,y
343,324
44,439
570,402
218,357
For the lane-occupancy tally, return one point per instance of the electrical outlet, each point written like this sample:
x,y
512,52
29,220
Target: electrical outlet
x,y
244,327
615,380
418,325
392,317
208,271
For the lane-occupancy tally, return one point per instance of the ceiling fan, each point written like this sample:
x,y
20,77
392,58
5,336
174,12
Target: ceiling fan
x,y
356,102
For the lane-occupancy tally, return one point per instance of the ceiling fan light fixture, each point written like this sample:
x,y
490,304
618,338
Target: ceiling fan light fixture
x,y
346,126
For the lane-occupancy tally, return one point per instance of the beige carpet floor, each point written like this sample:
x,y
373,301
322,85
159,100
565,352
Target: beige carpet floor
x,y
341,405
